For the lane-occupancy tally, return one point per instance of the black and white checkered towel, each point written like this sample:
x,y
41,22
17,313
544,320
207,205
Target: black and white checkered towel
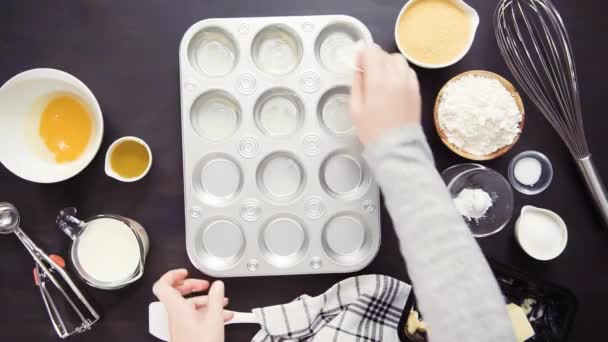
x,y
359,309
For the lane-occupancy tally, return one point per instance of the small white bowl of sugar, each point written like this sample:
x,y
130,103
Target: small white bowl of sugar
x,y
530,172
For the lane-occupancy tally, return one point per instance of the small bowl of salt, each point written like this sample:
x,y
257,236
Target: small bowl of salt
x,y
530,172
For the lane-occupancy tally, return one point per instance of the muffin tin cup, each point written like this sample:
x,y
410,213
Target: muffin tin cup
x,y
334,46
212,52
332,111
346,239
344,175
219,243
217,179
281,177
284,240
273,176
215,115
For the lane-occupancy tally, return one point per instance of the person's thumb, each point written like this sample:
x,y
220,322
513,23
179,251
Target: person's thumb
x,y
216,298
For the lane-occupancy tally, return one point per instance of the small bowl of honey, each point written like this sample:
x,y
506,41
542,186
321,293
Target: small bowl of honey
x,y
128,159
51,125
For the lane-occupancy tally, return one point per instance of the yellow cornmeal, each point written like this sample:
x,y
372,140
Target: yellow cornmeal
x,y
129,159
434,31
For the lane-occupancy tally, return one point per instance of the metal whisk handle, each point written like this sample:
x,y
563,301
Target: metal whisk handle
x,y
595,185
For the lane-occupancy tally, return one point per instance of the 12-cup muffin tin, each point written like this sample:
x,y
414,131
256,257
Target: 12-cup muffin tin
x,y
274,181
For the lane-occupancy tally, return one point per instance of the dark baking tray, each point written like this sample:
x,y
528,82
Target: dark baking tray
x,y
558,304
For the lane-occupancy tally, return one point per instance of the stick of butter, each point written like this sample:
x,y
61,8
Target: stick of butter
x,y
521,326
414,323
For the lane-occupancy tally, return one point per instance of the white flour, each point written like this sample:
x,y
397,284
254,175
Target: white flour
x,y
473,203
478,115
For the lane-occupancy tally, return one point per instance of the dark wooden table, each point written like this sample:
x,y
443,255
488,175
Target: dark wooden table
x,y
126,52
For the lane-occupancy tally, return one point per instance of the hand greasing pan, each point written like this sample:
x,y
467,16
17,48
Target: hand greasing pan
x,y
274,181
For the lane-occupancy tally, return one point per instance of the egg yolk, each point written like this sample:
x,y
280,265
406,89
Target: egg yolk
x,y
129,159
65,128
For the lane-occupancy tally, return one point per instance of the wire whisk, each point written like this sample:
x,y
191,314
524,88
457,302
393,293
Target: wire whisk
x,y
534,42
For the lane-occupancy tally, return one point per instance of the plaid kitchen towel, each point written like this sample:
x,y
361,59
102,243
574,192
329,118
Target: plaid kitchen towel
x,y
360,309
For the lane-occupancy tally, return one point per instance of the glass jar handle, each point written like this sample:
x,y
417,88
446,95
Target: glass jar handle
x,y
69,223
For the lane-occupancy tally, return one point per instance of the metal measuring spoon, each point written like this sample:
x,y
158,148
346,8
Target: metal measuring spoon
x,y
9,223
9,218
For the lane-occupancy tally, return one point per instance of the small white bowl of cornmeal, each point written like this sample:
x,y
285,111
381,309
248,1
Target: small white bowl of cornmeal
x,y
435,34
541,233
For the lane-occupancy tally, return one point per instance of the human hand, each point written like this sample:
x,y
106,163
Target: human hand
x,y
195,319
385,94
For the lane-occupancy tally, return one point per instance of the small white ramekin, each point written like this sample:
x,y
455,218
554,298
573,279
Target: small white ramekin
x,y
108,166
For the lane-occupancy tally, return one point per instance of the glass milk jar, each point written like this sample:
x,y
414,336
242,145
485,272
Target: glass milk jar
x,y
108,251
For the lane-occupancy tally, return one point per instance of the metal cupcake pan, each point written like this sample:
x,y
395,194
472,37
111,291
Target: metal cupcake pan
x,y
273,176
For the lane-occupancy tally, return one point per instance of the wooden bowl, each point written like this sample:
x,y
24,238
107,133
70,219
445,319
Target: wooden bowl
x,y
498,152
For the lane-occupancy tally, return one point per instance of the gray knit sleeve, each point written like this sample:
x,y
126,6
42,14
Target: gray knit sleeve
x,y
455,288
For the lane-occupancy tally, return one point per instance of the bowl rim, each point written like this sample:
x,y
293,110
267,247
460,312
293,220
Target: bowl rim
x,y
501,151
475,25
56,74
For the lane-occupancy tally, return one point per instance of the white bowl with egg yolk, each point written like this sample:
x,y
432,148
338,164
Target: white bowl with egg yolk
x,y
21,104
473,18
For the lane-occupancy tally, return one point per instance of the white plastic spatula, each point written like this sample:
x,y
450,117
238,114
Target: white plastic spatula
x,y
158,324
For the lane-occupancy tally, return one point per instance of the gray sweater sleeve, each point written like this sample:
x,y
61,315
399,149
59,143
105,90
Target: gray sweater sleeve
x,y
455,288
